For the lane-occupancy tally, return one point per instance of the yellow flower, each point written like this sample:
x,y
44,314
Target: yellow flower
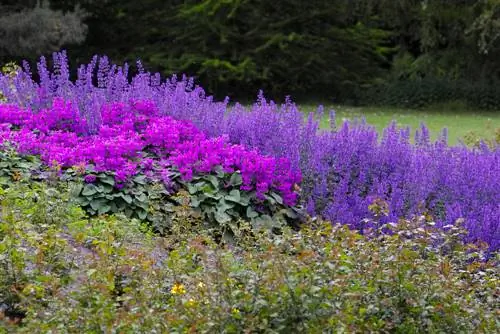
x,y
201,285
235,311
191,302
178,289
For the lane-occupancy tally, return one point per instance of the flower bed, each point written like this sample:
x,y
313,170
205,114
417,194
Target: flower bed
x,y
345,170
131,131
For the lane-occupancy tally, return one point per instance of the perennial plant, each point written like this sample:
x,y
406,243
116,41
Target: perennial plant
x,y
344,169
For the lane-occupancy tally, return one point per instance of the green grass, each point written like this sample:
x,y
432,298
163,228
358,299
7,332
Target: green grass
x,y
457,119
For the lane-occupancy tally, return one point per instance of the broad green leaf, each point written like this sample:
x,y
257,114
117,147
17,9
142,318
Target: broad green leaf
x,y
251,213
98,203
89,190
142,214
107,179
213,180
104,209
234,196
235,179
222,217
277,197
140,179
141,197
127,198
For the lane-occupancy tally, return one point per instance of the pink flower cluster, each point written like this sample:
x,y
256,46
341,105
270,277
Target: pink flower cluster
x,y
129,131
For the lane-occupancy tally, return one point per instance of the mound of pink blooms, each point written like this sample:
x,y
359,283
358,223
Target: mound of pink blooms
x,y
129,131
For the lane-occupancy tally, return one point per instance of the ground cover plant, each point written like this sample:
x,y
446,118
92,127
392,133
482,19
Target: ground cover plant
x,y
63,272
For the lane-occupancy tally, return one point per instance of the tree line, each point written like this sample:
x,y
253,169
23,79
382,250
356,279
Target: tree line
x,y
362,51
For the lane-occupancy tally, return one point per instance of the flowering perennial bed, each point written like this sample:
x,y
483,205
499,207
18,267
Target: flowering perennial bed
x,y
60,136
348,172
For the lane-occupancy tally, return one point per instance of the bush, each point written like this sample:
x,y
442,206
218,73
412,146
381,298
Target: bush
x,y
419,93
62,271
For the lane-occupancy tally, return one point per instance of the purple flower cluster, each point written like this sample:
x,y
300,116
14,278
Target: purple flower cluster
x,y
128,131
344,169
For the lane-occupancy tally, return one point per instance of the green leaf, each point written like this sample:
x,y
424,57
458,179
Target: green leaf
x,y
221,217
244,199
143,205
195,202
140,179
97,204
75,189
107,179
191,189
219,171
270,199
234,196
291,213
106,188
235,179
223,205
228,237
127,198
104,209
82,201
213,180
89,190
141,198
251,213
277,197
142,214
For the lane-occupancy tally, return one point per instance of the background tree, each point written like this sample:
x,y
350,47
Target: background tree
x,y
403,52
30,28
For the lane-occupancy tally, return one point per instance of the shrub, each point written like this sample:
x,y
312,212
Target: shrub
x,y
419,93
62,271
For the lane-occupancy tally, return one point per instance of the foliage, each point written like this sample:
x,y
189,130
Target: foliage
x,y
344,169
105,274
27,30
477,140
236,47
419,93
15,168
219,201
102,197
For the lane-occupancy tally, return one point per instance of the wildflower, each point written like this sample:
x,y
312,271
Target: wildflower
x,y
235,312
201,285
178,289
191,302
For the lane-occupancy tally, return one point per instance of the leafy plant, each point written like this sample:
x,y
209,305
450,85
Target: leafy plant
x,y
15,167
104,196
218,199
108,274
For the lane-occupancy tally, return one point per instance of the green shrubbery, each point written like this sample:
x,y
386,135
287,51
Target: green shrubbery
x,y
418,93
63,272
213,199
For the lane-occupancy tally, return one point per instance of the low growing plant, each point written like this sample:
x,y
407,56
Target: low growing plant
x,y
73,274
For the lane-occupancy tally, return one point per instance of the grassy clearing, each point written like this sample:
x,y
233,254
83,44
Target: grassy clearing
x,y
457,119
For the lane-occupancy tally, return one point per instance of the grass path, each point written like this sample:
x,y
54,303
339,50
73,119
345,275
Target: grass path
x,y
458,120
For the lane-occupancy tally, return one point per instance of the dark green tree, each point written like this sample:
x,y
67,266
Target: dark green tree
x,y
30,28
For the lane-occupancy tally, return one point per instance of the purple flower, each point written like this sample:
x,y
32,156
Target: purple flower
x,y
90,178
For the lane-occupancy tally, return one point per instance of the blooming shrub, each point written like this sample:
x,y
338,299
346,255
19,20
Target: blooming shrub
x,y
344,169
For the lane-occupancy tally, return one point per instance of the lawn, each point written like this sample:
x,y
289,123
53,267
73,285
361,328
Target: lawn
x,y
457,119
